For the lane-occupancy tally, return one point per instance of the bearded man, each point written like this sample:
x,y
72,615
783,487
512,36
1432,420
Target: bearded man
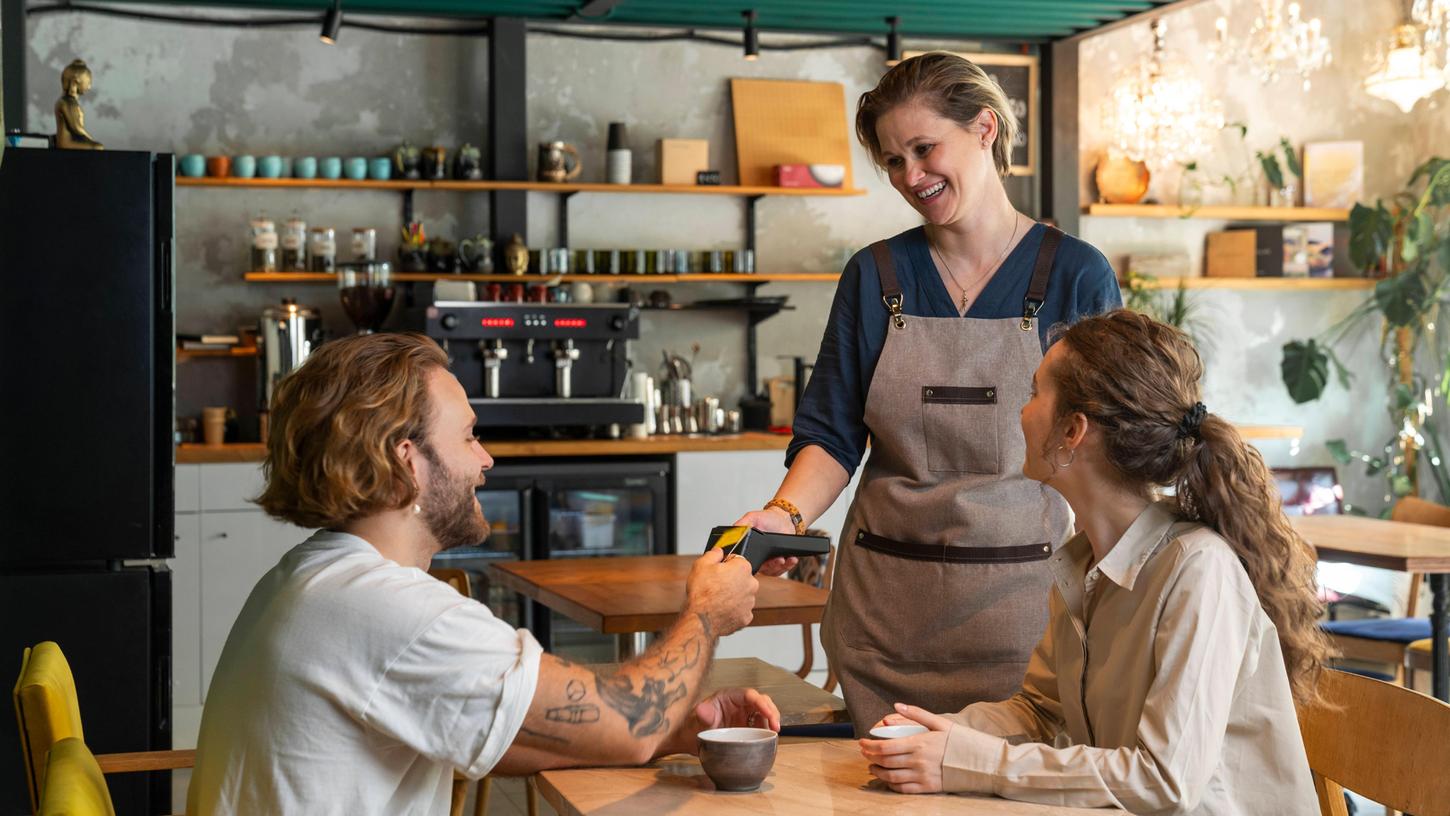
x,y
352,682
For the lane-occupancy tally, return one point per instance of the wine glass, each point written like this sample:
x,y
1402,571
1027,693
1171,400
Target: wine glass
x,y
367,292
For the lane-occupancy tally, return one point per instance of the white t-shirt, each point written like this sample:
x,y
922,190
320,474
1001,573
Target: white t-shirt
x,y
352,685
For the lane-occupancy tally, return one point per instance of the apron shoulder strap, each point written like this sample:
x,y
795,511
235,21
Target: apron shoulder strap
x,y
1037,289
890,287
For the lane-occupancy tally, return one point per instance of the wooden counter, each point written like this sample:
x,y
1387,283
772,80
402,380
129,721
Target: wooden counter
x,y
193,454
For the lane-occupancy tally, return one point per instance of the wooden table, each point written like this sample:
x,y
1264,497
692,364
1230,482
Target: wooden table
x,y
624,596
816,776
1393,545
800,703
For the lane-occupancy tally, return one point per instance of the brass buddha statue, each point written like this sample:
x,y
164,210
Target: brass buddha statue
x,y
516,255
70,120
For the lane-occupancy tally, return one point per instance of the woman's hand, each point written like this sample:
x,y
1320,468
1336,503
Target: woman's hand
x,y
910,764
770,520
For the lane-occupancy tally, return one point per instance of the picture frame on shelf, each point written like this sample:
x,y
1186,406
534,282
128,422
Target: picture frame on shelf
x,y
1017,74
1333,174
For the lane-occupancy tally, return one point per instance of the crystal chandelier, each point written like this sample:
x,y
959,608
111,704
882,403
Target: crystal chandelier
x,y
1279,41
1434,17
1159,113
1408,73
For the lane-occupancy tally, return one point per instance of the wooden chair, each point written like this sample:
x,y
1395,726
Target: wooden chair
x,y
1407,773
458,579
815,571
74,784
48,711
1387,640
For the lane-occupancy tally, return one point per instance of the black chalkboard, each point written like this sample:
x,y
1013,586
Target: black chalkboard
x,y
1017,74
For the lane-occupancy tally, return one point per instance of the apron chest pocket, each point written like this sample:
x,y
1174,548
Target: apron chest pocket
x,y
961,428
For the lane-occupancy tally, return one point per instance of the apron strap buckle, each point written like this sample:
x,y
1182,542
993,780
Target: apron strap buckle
x,y
1029,311
893,305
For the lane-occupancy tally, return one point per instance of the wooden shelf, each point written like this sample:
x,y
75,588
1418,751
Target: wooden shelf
x,y
237,351
1270,431
1218,213
1264,284
194,453
525,186
699,277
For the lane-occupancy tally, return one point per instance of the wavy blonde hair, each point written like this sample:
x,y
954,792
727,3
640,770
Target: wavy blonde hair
x,y
955,87
336,423
1137,379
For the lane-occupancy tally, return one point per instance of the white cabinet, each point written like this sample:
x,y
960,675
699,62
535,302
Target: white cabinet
x,y
716,488
224,544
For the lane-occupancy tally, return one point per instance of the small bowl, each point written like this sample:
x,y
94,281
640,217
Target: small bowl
x,y
737,759
886,732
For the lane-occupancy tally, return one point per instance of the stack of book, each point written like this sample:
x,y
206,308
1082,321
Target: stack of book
x,y
207,342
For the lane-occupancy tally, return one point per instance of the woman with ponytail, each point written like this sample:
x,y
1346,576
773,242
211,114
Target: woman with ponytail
x,y
1181,630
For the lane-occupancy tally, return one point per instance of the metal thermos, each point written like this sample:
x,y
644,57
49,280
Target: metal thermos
x,y
286,335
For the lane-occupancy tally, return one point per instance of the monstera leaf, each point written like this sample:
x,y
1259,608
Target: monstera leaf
x,y
1404,297
1371,229
1305,370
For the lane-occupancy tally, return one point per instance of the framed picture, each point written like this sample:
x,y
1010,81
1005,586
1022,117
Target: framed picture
x,y
1333,174
1017,76
1309,491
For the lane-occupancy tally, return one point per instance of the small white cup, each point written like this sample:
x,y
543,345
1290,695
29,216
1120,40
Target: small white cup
x,y
897,731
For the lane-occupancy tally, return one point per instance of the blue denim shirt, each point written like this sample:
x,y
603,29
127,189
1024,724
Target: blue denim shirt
x,y
832,409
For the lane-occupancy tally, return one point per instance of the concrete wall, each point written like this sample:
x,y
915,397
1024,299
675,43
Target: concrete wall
x,y
208,89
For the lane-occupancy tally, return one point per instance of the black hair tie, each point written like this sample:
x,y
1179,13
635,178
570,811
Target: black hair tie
x,y
1191,421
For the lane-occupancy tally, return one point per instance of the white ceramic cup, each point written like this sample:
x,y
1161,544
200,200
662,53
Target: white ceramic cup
x,y
897,731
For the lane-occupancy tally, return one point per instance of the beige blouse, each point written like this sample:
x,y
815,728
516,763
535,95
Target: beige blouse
x,y
1163,690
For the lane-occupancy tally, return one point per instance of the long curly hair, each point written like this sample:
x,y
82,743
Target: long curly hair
x,y
1138,380
336,423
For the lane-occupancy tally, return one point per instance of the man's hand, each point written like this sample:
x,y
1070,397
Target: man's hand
x,y
910,764
726,708
721,593
771,520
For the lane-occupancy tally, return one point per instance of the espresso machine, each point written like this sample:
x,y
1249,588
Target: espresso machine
x,y
560,366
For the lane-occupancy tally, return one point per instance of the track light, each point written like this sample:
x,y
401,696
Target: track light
x,y
332,22
893,42
752,42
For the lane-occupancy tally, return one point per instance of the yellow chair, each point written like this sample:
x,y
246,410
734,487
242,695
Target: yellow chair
x,y
1407,774
74,785
1388,640
48,711
458,579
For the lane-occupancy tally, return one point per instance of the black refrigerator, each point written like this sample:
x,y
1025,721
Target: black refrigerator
x,y
549,509
86,394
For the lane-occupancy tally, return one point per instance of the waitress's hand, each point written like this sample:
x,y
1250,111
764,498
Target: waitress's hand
x,y
770,520
910,764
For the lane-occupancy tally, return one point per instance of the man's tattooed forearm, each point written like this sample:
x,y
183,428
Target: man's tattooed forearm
x,y
646,710
542,736
705,624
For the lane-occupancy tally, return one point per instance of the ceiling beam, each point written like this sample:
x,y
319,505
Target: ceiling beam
x,y
1136,19
591,11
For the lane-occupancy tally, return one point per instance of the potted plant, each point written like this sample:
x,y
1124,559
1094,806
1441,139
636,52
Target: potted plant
x,y
1283,191
1407,243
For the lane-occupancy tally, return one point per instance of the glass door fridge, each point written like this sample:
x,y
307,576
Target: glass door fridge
x,y
506,505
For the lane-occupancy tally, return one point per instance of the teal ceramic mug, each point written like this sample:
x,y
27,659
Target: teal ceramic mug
x,y
330,167
355,168
193,165
269,167
380,168
304,167
244,166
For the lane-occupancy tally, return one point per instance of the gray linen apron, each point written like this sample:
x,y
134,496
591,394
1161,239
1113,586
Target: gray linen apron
x,y
940,593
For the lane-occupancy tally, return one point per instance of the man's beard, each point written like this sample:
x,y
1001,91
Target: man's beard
x,y
450,511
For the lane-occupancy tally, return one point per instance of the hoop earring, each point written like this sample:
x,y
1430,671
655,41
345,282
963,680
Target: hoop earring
x,y
1071,455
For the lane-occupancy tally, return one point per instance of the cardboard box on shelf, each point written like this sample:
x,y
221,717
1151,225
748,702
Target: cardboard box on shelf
x,y
682,159
810,175
1245,253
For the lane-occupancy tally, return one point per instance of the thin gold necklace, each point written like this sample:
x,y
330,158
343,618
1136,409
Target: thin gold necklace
x,y
1016,222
